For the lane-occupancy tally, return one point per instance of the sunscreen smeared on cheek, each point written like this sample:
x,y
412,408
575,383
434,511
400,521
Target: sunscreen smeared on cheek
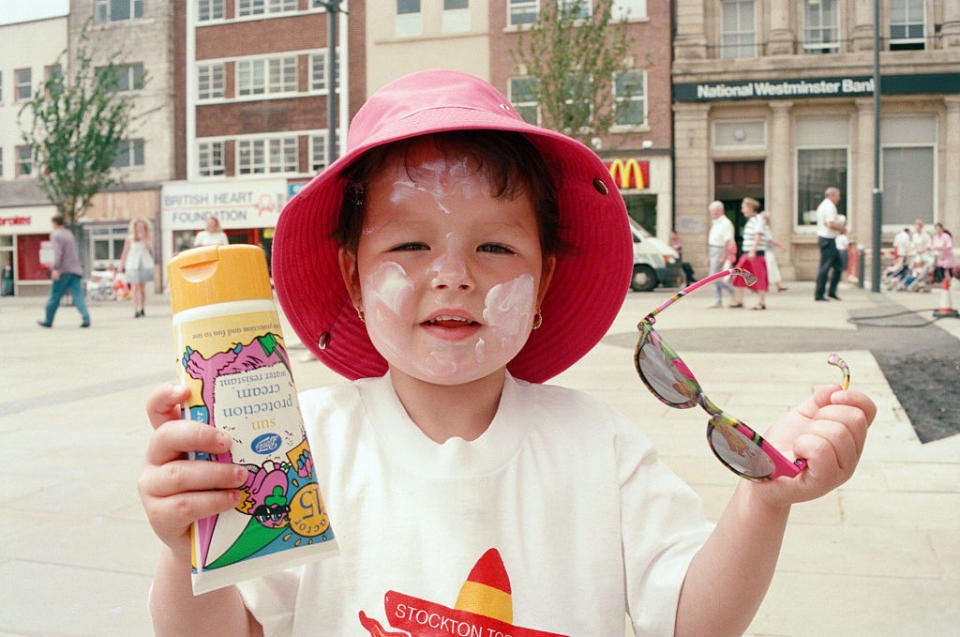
x,y
508,309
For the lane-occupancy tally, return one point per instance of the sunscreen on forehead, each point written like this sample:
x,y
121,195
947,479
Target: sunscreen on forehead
x,y
230,353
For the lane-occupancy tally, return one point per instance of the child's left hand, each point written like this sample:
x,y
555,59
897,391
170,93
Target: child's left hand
x,y
827,430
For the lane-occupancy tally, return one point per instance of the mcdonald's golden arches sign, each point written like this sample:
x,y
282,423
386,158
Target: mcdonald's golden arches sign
x,y
629,173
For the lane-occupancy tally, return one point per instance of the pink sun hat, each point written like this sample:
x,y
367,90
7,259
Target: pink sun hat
x,y
590,281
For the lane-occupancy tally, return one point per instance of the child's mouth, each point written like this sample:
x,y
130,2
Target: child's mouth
x,y
450,321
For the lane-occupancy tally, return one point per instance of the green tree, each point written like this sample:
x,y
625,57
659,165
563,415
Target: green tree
x,y
573,54
75,124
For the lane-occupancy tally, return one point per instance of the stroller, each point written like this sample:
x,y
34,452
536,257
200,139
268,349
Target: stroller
x,y
920,276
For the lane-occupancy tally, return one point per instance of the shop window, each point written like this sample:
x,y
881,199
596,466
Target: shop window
x,y
106,245
409,22
524,95
630,98
210,81
643,210
738,30
822,161
116,10
908,166
521,12
821,30
455,17
907,18
210,10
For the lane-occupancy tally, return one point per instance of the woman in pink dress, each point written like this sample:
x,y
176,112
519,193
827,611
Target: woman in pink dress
x,y
942,244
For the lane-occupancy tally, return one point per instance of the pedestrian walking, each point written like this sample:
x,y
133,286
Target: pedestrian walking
x,y
773,270
137,263
753,258
828,227
942,244
720,241
66,273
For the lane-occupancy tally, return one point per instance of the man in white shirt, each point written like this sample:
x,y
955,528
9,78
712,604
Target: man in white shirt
x,y
829,225
719,242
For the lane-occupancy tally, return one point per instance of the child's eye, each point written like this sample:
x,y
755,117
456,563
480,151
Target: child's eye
x,y
410,246
494,248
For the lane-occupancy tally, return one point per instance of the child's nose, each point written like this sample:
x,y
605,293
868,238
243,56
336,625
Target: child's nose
x,y
450,269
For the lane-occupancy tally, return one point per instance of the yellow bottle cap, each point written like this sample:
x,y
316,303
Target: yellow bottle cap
x,y
218,274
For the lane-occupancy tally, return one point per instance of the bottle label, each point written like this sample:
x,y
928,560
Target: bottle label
x,y
239,374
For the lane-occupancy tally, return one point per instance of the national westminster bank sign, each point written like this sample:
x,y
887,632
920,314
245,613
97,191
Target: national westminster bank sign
x,y
850,86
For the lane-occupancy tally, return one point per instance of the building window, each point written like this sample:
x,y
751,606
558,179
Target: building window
x,y
261,7
210,81
210,159
210,10
129,154
106,245
318,150
284,155
125,77
907,18
318,71
738,32
409,22
630,97
822,161
628,9
116,10
577,9
579,107
908,153
455,17
22,85
251,77
520,12
283,74
821,31
524,95
251,157
24,161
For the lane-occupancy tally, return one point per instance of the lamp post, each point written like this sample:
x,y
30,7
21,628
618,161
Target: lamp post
x,y
877,192
332,7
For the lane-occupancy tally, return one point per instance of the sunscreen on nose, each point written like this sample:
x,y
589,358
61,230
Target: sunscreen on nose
x,y
230,353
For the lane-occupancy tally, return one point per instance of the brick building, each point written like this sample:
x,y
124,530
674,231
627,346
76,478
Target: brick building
x,y
774,100
251,85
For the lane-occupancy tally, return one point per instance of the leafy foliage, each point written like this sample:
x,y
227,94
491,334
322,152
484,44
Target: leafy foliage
x,y
74,127
573,54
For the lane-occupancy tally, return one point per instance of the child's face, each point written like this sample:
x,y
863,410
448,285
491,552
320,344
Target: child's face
x,y
449,277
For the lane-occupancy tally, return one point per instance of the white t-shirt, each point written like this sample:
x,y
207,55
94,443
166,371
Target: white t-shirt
x,y
827,213
721,231
205,238
561,508
902,242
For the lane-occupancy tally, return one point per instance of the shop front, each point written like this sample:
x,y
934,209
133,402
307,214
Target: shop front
x,y
645,184
23,231
784,140
248,211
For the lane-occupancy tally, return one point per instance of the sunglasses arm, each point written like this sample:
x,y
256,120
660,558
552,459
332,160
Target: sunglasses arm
x,y
746,275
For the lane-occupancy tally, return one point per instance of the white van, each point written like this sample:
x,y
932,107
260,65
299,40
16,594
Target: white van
x,y
654,262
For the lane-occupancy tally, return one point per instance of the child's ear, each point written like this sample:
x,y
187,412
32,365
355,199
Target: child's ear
x,y
350,274
549,266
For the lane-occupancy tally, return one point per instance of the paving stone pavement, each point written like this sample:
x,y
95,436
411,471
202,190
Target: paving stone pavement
x,y
879,557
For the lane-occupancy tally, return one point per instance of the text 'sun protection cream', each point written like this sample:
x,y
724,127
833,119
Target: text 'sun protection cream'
x,y
230,353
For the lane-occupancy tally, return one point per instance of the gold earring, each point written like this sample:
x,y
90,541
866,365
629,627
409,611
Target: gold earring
x,y
360,314
537,320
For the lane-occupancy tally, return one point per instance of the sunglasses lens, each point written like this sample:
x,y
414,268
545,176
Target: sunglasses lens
x,y
663,376
739,452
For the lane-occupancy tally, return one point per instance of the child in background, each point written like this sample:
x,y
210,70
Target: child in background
x,y
450,262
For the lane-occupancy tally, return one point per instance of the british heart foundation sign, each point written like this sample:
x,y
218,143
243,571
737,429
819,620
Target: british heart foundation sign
x,y
484,608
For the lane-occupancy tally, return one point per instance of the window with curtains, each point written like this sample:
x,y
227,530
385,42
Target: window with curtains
x,y
738,29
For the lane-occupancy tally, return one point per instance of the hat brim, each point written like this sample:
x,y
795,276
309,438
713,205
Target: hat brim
x,y
585,294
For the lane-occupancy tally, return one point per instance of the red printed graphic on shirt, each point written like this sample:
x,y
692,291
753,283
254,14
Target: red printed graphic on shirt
x,y
484,608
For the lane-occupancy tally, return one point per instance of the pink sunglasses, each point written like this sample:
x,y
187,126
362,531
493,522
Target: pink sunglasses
x,y
735,444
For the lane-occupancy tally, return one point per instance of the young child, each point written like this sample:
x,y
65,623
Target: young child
x,y
454,259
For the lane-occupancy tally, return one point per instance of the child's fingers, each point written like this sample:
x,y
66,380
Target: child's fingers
x,y
171,516
856,399
163,404
820,398
840,451
850,417
171,440
182,476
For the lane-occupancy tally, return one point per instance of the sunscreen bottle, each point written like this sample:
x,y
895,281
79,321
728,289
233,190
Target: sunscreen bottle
x,y
230,353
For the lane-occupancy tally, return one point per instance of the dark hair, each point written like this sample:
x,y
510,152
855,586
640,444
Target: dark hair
x,y
57,219
513,165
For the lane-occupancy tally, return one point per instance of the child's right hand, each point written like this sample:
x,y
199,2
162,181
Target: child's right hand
x,y
176,491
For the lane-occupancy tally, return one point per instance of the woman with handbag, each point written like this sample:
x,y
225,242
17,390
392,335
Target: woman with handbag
x,y
137,263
